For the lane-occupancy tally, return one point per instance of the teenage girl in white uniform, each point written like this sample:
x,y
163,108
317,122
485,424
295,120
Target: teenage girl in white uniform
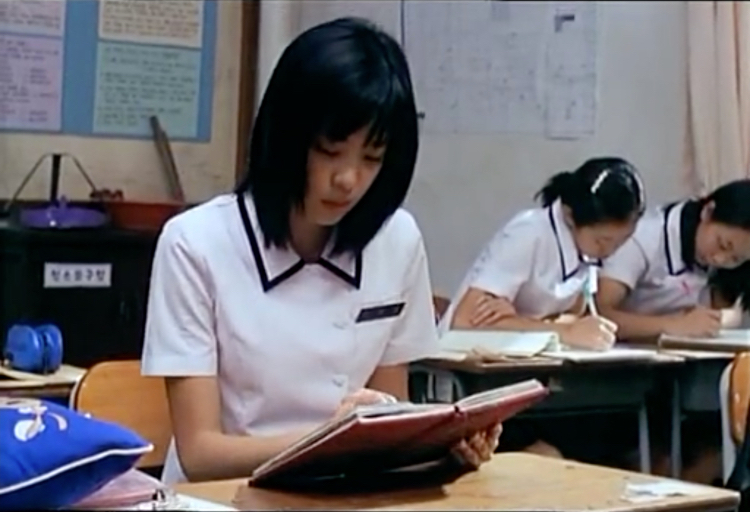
x,y
534,268
686,262
306,292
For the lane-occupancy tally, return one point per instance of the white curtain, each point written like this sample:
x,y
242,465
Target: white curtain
x,y
718,145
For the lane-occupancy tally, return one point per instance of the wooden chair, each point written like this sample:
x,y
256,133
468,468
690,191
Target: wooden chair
x,y
734,390
116,391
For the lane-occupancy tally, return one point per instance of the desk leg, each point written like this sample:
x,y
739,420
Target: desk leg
x,y
444,386
676,449
643,439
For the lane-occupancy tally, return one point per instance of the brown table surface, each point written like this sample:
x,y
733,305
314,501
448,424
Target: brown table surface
x,y
29,390
541,363
16,384
511,481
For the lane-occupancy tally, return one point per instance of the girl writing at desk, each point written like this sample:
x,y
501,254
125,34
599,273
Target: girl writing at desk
x,y
685,263
534,268
306,292
536,265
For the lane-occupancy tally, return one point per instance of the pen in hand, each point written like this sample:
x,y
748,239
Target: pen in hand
x,y
589,289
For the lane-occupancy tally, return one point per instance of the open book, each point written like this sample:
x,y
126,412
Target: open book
x,y
383,437
728,340
489,345
500,344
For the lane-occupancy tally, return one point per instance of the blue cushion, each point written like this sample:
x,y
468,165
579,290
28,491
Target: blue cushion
x,y
52,457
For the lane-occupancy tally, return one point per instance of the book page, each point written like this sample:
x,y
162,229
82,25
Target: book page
x,y
613,354
739,337
501,343
497,394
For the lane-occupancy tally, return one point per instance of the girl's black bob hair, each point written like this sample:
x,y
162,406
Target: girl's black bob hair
x,y
332,80
731,206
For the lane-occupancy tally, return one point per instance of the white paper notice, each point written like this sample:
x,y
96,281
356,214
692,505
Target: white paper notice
x,y
477,65
30,82
135,82
571,71
167,22
33,17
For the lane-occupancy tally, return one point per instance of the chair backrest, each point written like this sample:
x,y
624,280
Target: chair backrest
x,y
116,391
739,396
440,304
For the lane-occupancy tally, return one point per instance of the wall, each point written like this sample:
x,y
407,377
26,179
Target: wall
x,y
466,186
134,165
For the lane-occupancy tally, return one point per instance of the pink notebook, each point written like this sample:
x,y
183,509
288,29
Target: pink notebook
x,y
127,489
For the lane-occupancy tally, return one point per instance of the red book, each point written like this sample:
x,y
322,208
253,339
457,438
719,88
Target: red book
x,y
385,437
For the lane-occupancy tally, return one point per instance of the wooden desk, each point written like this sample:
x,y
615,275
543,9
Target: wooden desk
x,y
483,367
60,384
18,389
589,387
511,481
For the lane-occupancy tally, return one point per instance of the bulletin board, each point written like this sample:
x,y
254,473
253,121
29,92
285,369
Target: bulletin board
x,y
101,68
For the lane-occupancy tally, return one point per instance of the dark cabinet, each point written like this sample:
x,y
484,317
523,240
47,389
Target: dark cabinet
x,y
91,283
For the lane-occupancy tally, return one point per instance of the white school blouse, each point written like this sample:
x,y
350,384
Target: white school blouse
x,y
286,340
650,264
533,262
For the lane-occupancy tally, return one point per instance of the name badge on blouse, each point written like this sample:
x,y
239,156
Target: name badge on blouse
x,y
380,312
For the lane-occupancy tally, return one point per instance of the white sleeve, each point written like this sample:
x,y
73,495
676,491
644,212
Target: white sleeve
x,y
179,339
415,335
505,264
627,265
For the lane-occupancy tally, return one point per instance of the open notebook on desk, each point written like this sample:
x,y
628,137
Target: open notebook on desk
x,y
728,340
613,354
384,437
488,345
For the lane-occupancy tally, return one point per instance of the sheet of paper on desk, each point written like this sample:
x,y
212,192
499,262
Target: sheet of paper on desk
x,y
733,335
728,339
449,355
613,354
650,491
180,502
500,343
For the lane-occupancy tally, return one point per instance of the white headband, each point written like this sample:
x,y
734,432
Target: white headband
x,y
603,175
599,180
641,190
